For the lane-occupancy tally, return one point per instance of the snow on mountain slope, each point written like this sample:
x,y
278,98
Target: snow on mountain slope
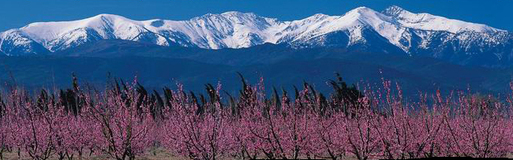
x,y
425,21
215,31
15,42
394,28
353,22
57,36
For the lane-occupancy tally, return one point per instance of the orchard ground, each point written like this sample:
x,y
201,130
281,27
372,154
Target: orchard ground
x,y
153,154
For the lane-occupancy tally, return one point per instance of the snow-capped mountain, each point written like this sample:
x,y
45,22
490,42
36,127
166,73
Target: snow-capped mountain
x,y
393,30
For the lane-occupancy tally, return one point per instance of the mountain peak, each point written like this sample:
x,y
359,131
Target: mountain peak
x,y
237,13
361,10
229,14
393,10
102,19
364,14
107,16
103,15
317,16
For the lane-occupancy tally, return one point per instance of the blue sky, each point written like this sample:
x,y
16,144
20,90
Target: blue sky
x,y
17,13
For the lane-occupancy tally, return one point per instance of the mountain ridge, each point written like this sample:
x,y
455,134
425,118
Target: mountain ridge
x,y
394,30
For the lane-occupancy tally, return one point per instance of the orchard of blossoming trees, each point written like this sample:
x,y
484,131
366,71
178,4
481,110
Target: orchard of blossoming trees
x,y
126,120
